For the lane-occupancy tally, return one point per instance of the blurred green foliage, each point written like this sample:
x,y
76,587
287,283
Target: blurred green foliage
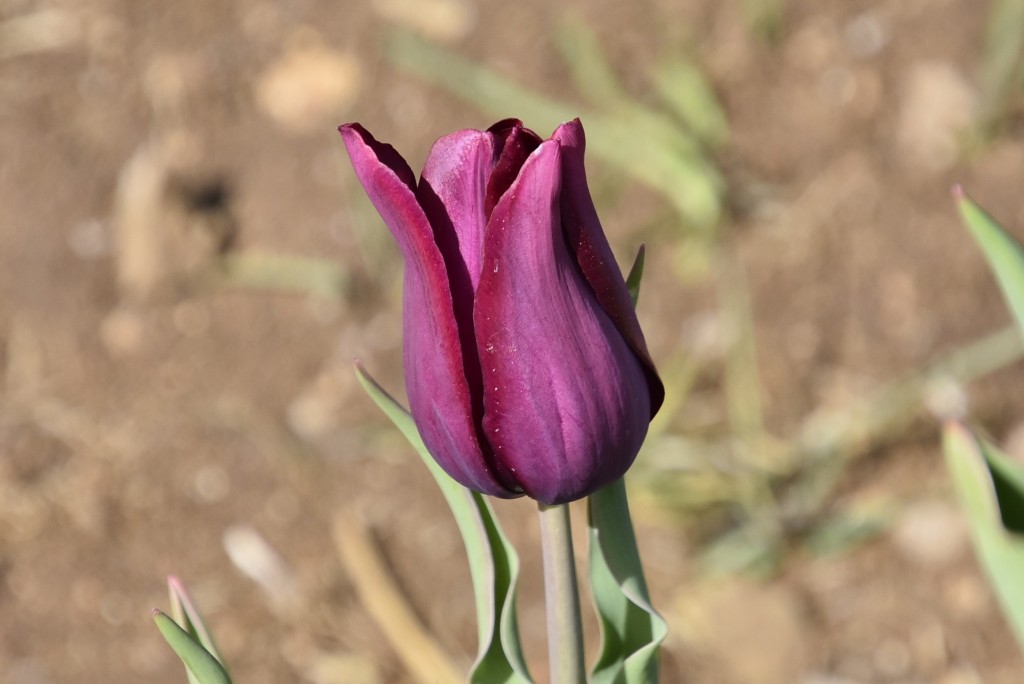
x,y
668,150
990,485
991,488
1002,72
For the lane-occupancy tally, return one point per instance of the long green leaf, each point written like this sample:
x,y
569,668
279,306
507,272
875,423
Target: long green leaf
x,y
493,563
991,488
1004,254
631,630
199,662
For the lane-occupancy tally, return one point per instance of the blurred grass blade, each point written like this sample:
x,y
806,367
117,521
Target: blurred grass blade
x,y
682,86
631,630
742,370
991,488
284,273
474,83
200,663
1005,255
636,273
493,563
590,70
643,144
1002,73
764,17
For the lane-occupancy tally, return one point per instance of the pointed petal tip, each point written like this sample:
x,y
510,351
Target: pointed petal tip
x,y
352,127
570,133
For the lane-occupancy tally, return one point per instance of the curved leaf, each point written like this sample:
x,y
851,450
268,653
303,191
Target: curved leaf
x,y
493,563
991,488
1004,254
631,630
185,612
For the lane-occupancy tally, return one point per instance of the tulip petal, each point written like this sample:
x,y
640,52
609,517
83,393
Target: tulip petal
x,y
566,399
452,191
438,391
594,255
517,143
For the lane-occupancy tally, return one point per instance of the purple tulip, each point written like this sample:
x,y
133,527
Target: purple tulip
x,y
526,369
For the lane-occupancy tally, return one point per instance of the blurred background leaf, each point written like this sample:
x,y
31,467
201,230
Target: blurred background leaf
x,y
991,488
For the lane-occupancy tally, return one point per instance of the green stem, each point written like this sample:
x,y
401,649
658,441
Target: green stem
x,y
565,629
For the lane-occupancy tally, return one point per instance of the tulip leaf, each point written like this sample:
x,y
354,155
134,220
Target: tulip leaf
x,y
493,563
185,612
201,665
631,630
636,273
991,488
1005,255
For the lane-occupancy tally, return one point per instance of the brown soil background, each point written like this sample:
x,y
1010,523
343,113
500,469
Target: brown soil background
x,y
142,419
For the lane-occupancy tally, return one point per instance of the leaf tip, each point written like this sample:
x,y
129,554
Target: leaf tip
x,y
955,431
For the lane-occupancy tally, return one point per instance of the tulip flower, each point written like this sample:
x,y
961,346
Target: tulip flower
x,y
526,369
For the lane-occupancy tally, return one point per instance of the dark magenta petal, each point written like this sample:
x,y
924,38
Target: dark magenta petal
x,y
382,153
439,396
592,252
516,143
566,399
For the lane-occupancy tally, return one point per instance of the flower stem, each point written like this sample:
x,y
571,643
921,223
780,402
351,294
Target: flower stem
x,y
565,629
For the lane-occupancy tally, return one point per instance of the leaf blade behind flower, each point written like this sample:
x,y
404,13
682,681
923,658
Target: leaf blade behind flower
x,y
493,562
636,273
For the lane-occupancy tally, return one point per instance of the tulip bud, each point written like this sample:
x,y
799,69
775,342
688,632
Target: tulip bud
x,y
526,368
